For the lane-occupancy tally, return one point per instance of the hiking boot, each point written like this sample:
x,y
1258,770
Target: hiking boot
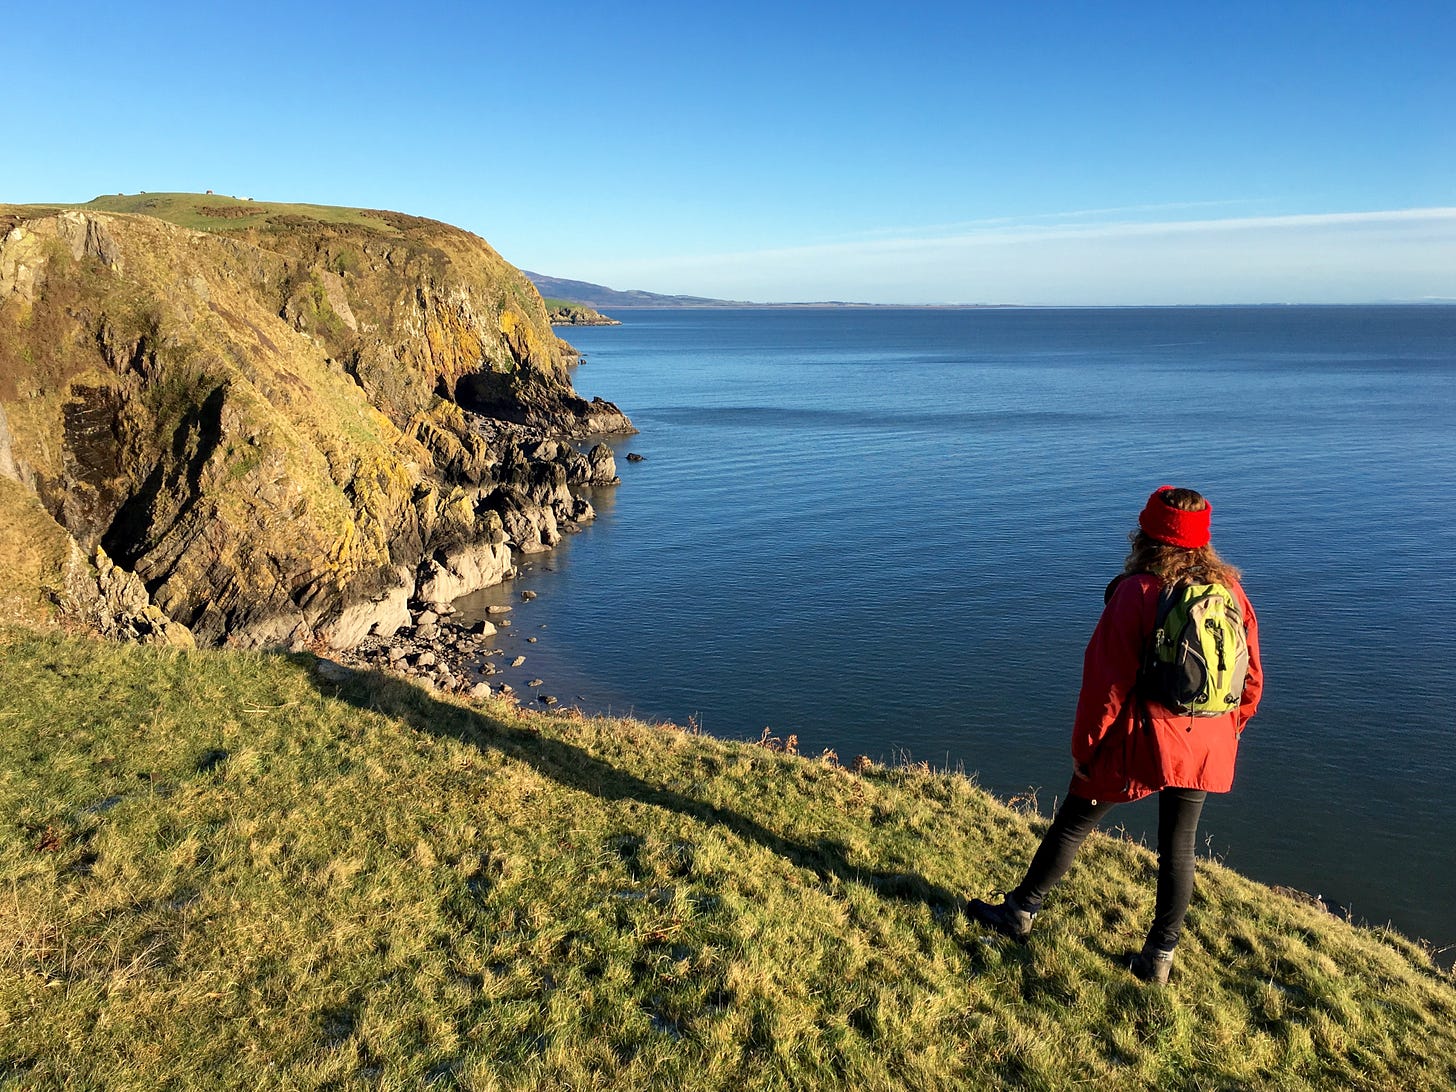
x,y
1153,965
1007,917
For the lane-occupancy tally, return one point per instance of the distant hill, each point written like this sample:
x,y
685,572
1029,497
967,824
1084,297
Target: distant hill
x,y
599,296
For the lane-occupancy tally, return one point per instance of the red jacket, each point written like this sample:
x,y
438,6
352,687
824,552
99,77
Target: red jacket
x,y
1129,746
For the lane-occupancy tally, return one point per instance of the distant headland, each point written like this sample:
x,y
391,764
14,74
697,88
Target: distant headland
x,y
599,296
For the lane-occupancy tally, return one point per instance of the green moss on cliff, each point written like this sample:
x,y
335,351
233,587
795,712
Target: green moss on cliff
x,y
39,555
232,413
404,275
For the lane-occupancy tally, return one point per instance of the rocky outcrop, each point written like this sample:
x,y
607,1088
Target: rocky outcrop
x,y
45,576
123,609
457,572
566,313
283,430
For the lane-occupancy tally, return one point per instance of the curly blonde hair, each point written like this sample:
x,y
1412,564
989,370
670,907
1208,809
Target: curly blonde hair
x,y
1175,565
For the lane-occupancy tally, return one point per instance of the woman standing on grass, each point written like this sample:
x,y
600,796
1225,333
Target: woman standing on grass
x,y
1127,744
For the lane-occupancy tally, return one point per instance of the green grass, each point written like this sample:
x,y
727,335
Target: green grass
x,y
218,870
218,212
36,551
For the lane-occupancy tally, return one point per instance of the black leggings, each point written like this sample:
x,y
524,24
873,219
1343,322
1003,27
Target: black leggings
x,y
1178,811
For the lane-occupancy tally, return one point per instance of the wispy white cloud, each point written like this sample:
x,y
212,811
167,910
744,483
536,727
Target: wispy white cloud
x,y
1256,223
1000,233
959,227
1331,256
1165,206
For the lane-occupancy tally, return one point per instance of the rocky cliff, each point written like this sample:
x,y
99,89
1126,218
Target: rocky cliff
x,y
273,424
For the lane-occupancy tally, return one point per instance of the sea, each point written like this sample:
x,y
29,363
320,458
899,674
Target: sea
x,y
887,532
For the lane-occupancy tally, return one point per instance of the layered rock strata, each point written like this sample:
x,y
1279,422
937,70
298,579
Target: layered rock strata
x,y
280,430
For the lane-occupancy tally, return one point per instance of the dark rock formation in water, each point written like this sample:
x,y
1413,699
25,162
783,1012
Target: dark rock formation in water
x,y
567,313
277,430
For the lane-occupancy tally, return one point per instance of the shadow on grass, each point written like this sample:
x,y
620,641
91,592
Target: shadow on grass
x,y
575,768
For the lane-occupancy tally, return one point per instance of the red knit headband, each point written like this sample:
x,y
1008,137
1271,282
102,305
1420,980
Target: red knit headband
x,y
1172,525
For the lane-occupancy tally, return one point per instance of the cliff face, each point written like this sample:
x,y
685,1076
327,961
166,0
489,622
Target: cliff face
x,y
286,425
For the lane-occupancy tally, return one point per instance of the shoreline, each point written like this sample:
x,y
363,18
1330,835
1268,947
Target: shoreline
x,y
483,650
831,305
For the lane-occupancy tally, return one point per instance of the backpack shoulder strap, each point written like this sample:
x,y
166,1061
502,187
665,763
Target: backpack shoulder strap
x,y
1167,595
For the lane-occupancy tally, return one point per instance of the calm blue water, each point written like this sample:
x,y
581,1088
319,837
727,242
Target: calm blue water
x,y
888,532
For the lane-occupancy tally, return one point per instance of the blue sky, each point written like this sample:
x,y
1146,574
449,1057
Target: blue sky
x,y
915,153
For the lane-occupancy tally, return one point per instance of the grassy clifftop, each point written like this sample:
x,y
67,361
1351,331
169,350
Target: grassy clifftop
x,y
226,869
215,212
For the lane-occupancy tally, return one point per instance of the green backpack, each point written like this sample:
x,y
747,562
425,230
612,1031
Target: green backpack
x,y
1198,655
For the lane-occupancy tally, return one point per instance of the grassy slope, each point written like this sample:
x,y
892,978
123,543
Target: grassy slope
x,y
36,550
220,870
